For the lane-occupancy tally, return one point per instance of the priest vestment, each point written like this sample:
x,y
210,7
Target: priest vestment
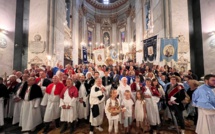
x,y
68,97
30,115
51,100
18,102
82,107
11,87
97,103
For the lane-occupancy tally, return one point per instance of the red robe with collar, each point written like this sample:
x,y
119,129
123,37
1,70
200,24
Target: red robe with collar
x,y
59,88
73,92
134,86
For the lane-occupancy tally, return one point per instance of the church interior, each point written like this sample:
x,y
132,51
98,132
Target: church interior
x,y
177,33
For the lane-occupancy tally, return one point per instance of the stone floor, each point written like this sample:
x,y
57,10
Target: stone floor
x,y
84,129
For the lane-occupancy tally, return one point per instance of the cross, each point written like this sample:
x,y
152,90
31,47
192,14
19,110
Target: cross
x,y
133,52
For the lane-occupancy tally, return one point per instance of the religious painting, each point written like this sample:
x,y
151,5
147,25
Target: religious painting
x,y
90,34
169,50
99,56
114,54
106,39
123,36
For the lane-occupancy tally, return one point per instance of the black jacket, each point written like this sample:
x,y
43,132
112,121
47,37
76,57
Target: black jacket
x,y
109,81
78,85
46,82
18,86
89,84
3,91
35,92
180,96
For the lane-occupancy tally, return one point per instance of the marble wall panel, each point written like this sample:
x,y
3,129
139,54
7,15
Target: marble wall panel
x,y
208,26
7,22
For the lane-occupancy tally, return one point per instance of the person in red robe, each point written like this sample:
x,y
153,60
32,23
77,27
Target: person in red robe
x,y
51,100
68,100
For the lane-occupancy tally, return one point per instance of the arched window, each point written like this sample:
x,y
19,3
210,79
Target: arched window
x,y
106,1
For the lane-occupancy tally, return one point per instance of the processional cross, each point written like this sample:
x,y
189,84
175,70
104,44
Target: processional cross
x,y
133,52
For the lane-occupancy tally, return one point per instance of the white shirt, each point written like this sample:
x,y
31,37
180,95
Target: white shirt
x,y
128,104
27,93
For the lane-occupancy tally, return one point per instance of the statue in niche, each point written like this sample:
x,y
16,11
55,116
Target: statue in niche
x,y
106,39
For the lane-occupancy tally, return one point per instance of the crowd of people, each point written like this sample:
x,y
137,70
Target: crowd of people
x,y
125,94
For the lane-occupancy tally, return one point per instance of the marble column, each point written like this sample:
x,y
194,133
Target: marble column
x,y
208,35
114,34
139,29
128,30
75,33
84,29
98,33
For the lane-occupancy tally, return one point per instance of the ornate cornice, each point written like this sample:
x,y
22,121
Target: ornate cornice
x,y
113,18
98,19
109,6
130,12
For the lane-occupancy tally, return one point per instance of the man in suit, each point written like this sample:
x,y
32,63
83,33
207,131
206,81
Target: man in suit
x,y
175,94
107,82
90,82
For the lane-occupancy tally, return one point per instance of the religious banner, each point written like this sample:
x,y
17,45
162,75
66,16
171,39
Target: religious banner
x,y
113,54
150,49
84,52
99,56
123,36
169,50
125,47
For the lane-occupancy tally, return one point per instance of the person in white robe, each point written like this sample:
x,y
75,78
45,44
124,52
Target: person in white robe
x,y
68,99
51,100
82,103
11,87
121,91
3,94
97,104
112,110
204,99
152,106
30,116
18,100
43,82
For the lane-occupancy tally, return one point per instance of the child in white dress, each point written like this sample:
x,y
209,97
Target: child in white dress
x,y
127,111
112,110
140,112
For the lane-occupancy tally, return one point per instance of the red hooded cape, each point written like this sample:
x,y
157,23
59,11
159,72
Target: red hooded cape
x,y
59,87
73,92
